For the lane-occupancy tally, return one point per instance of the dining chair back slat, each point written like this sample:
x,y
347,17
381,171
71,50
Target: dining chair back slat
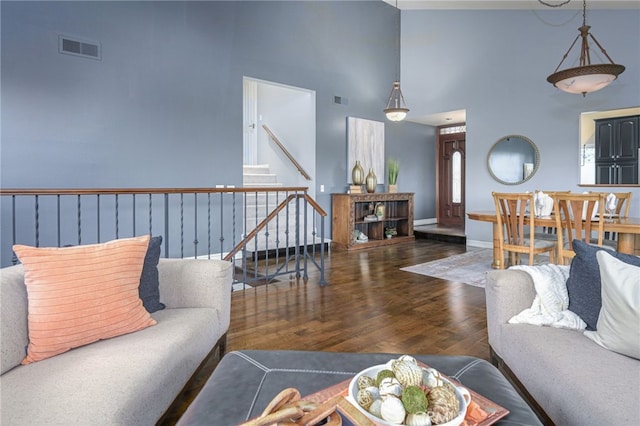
x,y
513,212
578,217
622,210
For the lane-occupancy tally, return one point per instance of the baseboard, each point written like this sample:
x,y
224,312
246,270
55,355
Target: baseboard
x,y
481,244
430,221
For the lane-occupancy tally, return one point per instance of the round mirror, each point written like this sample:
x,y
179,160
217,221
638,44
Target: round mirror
x,y
513,159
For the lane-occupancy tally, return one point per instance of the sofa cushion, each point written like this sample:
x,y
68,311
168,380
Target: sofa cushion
x,y
127,380
149,286
619,320
78,295
583,284
573,379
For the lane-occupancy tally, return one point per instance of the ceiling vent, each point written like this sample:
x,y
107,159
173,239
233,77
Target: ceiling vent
x,y
73,46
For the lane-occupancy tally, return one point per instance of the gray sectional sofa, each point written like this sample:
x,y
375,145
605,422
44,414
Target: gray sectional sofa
x,y
567,378
127,380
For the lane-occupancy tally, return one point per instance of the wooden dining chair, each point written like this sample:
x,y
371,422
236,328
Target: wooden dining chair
x,y
516,229
549,232
578,217
622,210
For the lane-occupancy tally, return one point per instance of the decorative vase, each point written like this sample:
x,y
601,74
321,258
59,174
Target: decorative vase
x,y
393,188
371,181
357,174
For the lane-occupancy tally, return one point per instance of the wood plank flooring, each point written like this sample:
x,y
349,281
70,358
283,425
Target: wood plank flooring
x,y
369,305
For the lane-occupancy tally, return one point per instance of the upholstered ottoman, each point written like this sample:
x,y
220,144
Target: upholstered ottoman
x,y
245,381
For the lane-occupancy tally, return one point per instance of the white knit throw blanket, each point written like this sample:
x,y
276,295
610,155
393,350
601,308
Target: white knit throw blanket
x,y
552,300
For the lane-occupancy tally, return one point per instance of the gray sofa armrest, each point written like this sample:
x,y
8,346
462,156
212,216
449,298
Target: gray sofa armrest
x,y
195,283
507,292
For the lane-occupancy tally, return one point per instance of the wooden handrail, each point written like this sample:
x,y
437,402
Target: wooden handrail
x,y
286,152
270,217
120,191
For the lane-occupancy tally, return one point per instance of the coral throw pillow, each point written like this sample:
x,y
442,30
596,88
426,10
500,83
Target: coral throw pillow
x,y
82,294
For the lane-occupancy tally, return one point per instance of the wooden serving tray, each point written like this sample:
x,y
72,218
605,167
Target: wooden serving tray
x,y
481,411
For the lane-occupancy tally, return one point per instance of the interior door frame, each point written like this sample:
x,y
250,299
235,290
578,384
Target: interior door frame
x,y
438,171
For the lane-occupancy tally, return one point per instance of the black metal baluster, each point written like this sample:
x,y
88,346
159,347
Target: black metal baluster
x,y
58,219
37,219
181,225
322,281
166,222
133,210
209,225
14,258
297,248
221,223
195,225
117,219
304,237
98,215
79,207
266,237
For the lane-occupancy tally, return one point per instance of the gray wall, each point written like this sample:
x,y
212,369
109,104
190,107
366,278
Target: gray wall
x,y
495,64
163,108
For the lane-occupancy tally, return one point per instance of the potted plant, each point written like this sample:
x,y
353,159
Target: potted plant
x,y
393,167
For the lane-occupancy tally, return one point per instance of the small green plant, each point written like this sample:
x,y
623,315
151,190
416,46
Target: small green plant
x,y
393,167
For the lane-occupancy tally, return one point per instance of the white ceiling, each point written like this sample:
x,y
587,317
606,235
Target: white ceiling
x,y
511,4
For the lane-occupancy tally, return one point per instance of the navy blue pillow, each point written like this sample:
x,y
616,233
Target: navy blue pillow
x,y
583,284
149,289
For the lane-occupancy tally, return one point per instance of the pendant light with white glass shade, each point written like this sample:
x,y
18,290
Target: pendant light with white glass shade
x,y
586,77
396,109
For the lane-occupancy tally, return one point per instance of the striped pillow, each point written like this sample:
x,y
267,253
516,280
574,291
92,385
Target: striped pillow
x,y
82,294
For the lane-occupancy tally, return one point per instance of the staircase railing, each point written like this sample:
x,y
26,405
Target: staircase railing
x,y
194,223
242,245
286,152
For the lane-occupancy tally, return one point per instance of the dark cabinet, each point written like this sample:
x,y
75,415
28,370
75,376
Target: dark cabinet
x,y
617,143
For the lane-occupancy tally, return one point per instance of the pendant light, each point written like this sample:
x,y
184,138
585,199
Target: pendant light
x,y
396,109
587,77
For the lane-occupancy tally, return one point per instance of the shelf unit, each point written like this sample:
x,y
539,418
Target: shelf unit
x,y
349,210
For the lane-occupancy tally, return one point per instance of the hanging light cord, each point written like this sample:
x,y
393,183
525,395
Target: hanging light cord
x,y
585,58
398,41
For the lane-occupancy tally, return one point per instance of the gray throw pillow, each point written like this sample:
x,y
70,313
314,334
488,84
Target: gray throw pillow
x,y
583,284
149,289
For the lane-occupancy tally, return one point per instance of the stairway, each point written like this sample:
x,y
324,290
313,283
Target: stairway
x,y
440,233
258,175
259,205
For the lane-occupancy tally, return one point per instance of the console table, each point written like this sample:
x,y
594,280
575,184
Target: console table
x,y
245,381
349,212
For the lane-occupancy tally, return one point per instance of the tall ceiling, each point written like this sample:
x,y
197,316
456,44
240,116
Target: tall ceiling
x,y
459,116
511,4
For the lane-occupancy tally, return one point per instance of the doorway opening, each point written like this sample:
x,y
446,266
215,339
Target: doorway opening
x,y
450,176
289,113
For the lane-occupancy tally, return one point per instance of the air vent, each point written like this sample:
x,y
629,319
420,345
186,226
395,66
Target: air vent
x,y
73,46
340,100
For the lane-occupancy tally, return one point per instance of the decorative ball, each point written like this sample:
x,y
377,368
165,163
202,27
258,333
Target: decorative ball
x,y
414,399
365,382
383,374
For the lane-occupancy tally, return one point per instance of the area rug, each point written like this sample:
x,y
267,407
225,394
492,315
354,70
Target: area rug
x,y
467,268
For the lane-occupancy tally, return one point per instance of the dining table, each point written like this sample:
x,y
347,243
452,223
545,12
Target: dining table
x,y
627,228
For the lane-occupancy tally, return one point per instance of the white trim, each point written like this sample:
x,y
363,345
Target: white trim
x,y
477,243
419,222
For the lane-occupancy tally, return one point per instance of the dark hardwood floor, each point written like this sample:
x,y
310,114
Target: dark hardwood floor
x,y
369,305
